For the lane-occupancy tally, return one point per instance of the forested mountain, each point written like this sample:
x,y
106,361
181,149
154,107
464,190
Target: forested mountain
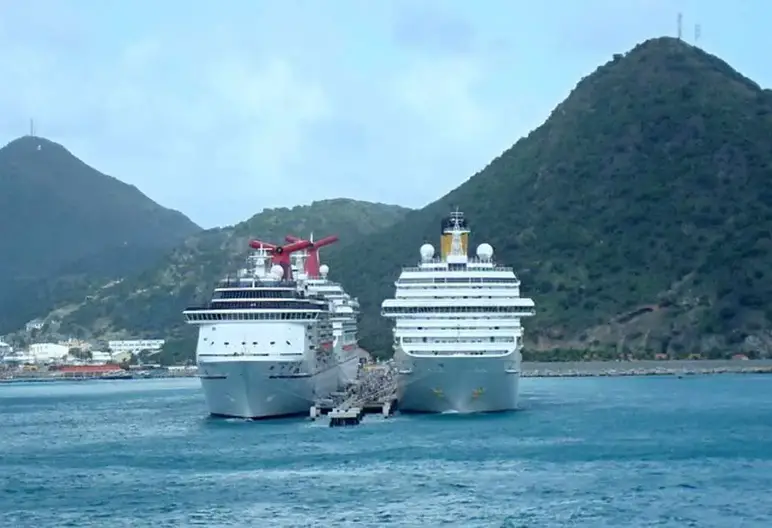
x,y
64,225
638,216
150,303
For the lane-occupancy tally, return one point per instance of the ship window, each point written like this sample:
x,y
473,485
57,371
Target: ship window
x,y
254,342
243,342
273,342
227,343
288,342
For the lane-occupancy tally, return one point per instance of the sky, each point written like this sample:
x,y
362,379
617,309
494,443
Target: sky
x,y
220,109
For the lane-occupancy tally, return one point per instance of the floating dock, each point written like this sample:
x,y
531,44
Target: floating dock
x,y
374,392
343,417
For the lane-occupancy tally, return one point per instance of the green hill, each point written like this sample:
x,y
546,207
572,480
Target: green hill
x,y
65,225
150,303
637,216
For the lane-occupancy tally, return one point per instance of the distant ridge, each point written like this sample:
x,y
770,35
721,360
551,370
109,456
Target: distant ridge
x,y
150,303
649,186
638,217
59,217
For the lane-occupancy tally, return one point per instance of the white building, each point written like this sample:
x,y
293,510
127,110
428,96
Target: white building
x,y
35,324
5,349
135,345
120,357
97,356
17,360
47,352
85,346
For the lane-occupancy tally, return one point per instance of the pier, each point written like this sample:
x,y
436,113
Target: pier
x,y
373,392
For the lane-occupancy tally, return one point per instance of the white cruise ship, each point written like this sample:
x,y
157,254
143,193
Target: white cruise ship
x,y
345,309
457,332
265,344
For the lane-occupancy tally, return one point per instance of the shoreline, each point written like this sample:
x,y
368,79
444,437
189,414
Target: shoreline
x,y
529,369
584,369
52,377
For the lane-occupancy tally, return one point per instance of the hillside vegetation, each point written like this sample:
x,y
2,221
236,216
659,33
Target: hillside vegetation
x,y
150,303
65,226
637,216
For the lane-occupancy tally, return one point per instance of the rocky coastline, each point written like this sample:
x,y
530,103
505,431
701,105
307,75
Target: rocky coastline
x,y
644,368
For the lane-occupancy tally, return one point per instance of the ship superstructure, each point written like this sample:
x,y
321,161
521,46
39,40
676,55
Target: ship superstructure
x,y
265,346
345,309
457,331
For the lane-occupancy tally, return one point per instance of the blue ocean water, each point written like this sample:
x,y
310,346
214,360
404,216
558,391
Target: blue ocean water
x,y
589,452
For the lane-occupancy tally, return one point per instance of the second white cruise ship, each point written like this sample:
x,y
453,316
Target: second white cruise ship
x,y
457,332
345,309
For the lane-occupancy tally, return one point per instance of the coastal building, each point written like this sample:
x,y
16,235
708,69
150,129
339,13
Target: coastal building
x,y
121,357
17,359
35,324
135,346
47,352
99,358
5,349
76,343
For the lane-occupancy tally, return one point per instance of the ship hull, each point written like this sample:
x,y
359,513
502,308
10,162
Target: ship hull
x,y
457,384
348,368
256,389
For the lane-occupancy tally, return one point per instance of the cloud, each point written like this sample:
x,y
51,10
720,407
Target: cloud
x,y
271,104
429,28
440,93
601,25
221,110
187,119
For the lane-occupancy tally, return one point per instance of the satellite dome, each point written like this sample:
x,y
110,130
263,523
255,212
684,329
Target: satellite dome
x,y
427,252
324,269
484,252
277,271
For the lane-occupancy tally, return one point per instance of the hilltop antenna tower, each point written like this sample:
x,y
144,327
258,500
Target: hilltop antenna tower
x,y
680,25
31,127
697,32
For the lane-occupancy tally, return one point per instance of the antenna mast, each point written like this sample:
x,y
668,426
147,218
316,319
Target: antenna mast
x,y
680,25
31,127
697,32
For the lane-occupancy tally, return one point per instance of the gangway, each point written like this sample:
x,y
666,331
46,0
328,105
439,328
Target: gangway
x,y
374,391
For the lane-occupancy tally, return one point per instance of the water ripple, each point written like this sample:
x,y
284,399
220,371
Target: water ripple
x,y
582,452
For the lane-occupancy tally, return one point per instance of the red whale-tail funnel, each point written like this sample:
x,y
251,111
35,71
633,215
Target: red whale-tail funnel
x,y
281,254
312,262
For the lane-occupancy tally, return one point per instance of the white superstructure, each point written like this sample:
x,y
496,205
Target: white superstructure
x,y
135,345
48,352
457,332
344,317
266,344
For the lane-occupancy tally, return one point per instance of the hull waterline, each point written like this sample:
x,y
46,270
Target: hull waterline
x,y
457,385
262,389
347,371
